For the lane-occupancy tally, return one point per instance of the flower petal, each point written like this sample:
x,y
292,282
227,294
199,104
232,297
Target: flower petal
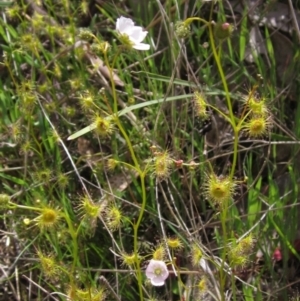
x,y
124,25
156,282
138,34
150,274
141,46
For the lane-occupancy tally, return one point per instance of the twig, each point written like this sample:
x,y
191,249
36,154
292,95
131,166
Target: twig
x,y
103,279
162,227
294,18
41,288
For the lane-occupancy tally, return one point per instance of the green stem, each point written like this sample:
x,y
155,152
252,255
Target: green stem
x,y
227,95
75,243
115,109
137,167
26,207
231,115
135,235
190,20
235,128
224,82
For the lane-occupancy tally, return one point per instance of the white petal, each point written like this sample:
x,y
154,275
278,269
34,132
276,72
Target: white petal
x,y
141,46
150,274
156,282
138,34
118,24
124,25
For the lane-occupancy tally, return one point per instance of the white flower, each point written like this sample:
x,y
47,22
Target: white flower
x,y
157,272
136,34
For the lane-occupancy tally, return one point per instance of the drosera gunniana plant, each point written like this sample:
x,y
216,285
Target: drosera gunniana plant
x,y
64,220
219,189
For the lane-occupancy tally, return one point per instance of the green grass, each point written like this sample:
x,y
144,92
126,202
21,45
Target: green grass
x,y
104,156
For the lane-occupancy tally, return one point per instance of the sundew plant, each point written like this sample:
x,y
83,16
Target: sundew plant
x,y
149,151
